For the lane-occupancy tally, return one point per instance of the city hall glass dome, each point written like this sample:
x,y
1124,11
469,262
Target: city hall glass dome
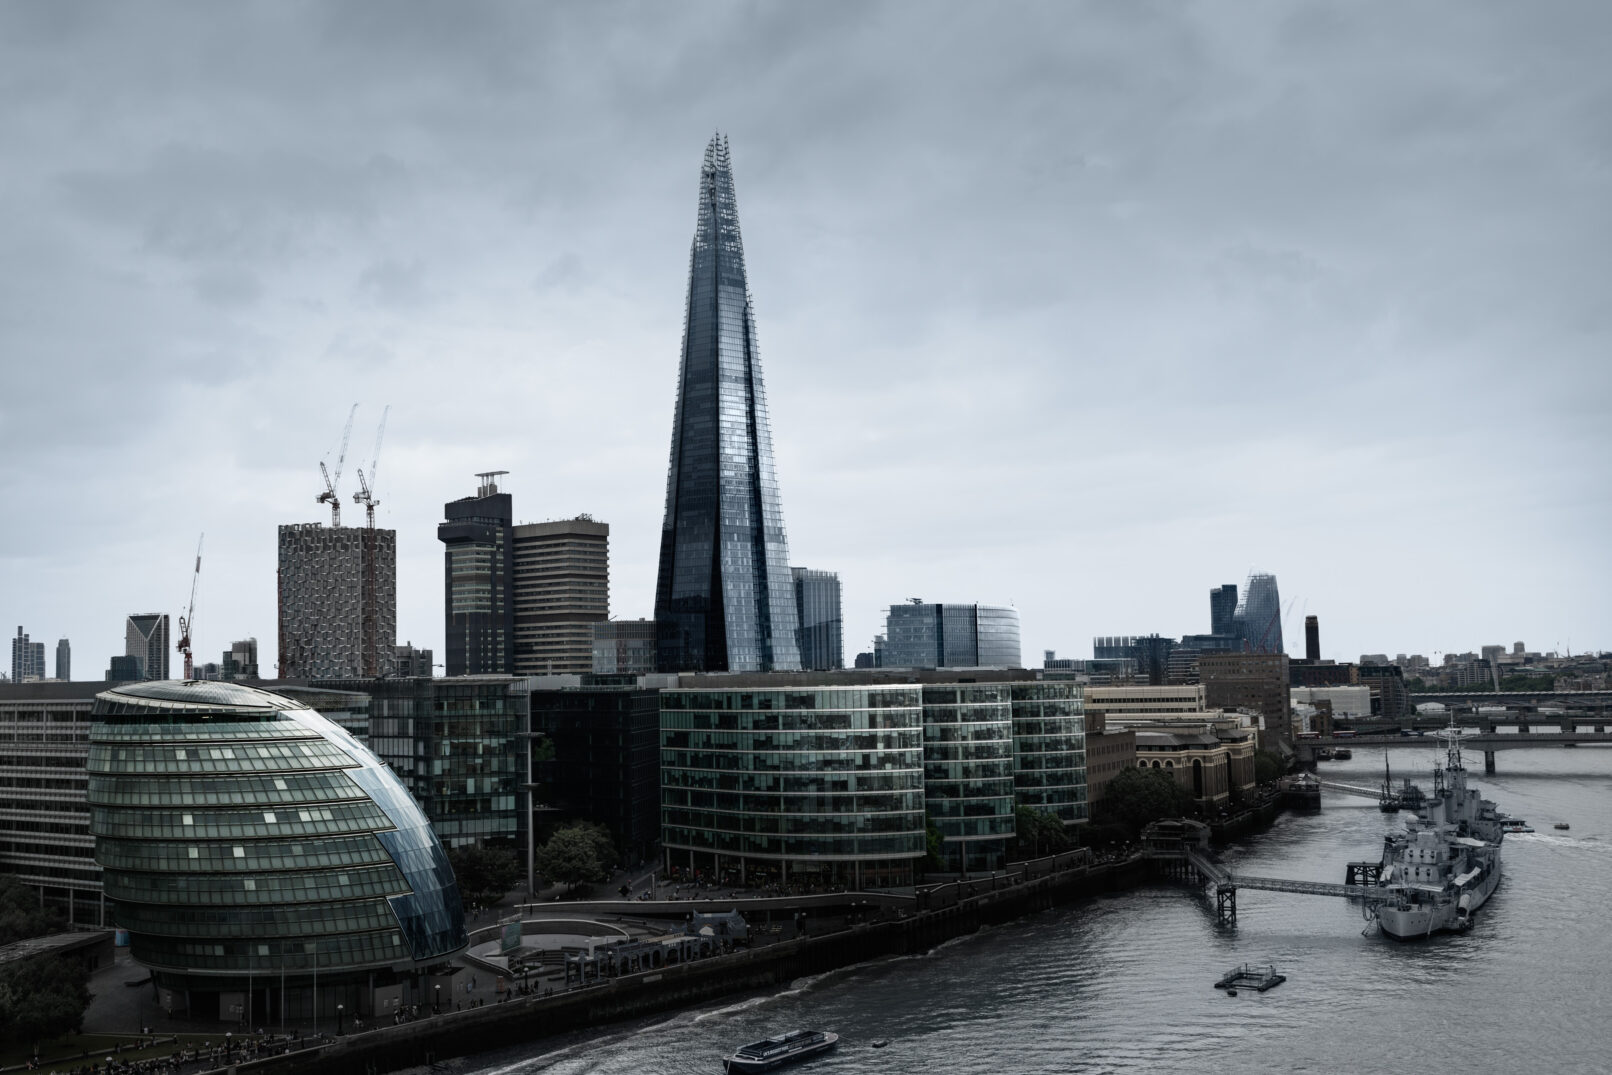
x,y
246,839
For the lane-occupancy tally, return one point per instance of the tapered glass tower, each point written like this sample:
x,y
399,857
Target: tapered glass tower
x,y
725,599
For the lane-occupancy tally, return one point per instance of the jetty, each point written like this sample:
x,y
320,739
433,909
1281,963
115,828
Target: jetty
x,y
1260,976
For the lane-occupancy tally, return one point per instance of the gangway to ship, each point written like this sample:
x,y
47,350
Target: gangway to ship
x,y
1187,842
1350,789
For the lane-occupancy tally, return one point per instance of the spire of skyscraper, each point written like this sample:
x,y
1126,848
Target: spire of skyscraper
x,y
725,598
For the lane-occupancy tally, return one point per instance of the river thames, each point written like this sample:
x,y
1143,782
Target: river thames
x,y
1125,983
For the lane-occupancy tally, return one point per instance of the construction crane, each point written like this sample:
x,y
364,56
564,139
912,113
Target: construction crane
x,y
366,487
189,618
329,495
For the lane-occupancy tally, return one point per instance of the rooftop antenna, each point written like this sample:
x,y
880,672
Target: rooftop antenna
x,y
329,495
366,487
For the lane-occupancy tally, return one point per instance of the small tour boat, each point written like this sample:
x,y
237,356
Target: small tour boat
x,y
1563,825
768,1053
1515,824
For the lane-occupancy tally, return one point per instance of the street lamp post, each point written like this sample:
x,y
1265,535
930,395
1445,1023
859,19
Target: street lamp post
x,y
339,1009
436,1003
229,1046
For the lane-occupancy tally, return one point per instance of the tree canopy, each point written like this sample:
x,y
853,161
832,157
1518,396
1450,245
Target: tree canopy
x,y
1137,797
21,916
1037,833
484,874
42,998
577,854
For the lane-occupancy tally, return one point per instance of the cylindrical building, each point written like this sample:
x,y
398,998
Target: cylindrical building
x,y
267,866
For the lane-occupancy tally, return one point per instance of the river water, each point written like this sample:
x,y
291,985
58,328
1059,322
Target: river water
x,y
1125,983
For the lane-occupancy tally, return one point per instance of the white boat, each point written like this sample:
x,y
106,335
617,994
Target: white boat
x,y
1444,866
1515,824
769,1053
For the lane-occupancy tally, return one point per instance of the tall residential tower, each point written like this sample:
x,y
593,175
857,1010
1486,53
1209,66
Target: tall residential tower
x,y
725,599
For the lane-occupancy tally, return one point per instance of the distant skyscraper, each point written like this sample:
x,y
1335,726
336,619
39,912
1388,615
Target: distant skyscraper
x,y
922,635
820,633
1312,638
1223,609
239,661
562,588
338,601
725,599
624,647
64,660
1261,615
480,580
411,662
27,659
146,640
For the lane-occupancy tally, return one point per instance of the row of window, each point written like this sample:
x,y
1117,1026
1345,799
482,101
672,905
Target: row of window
x,y
804,762
776,721
280,726
173,888
241,790
310,820
791,701
796,783
247,957
805,825
698,838
151,855
799,805
260,921
833,743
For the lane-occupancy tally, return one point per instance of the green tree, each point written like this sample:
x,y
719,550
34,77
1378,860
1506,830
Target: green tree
x,y
576,854
934,845
484,874
21,916
42,998
1267,767
1137,797
1037,833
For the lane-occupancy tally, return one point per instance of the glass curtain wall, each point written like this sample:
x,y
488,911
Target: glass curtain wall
x,y
1049,749
968,772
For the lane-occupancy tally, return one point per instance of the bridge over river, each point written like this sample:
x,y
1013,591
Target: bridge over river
x,y
1572,734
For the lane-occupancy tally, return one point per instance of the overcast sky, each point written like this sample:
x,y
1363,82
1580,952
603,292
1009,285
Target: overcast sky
x,y
1085,308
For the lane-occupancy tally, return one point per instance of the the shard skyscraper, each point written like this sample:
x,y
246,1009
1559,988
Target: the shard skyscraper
x,y
725,598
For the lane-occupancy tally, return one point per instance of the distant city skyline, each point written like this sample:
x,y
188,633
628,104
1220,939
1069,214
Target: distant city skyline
x,y
1079,311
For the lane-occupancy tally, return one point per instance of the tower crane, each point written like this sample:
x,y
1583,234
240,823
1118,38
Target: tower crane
x,y
329,495
366,487
189,618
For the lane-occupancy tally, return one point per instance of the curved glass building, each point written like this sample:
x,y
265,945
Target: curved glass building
x,y
265,864
805,785
1049,748
968,772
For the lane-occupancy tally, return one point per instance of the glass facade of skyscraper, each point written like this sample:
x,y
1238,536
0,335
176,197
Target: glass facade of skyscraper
x,y
725,600
1049,748
810,785
821,633
244,837
919,635
968,772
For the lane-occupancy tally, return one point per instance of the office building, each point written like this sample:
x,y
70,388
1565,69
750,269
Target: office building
x,y
1216,765
45,840
1140,704
561,589
1390,698
1260,615
266,865
968,772
239,661
124,669
479,580
596,755
819,632
146,640
724,598
624,647
1049,748
1223,610
1347,703
27,658
919,635
1254,681
1151,654
408,661
794,779
338,601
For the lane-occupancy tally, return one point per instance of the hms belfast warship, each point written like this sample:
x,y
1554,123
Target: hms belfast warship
x,y
1437,872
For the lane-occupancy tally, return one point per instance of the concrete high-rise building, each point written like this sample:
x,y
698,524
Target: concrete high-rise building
x,y
123,669
411,662
724,599
1312,638
27,659
820,632
1256,681
146,640
561,590
64,660
920,635
624,647
338,601
479,583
